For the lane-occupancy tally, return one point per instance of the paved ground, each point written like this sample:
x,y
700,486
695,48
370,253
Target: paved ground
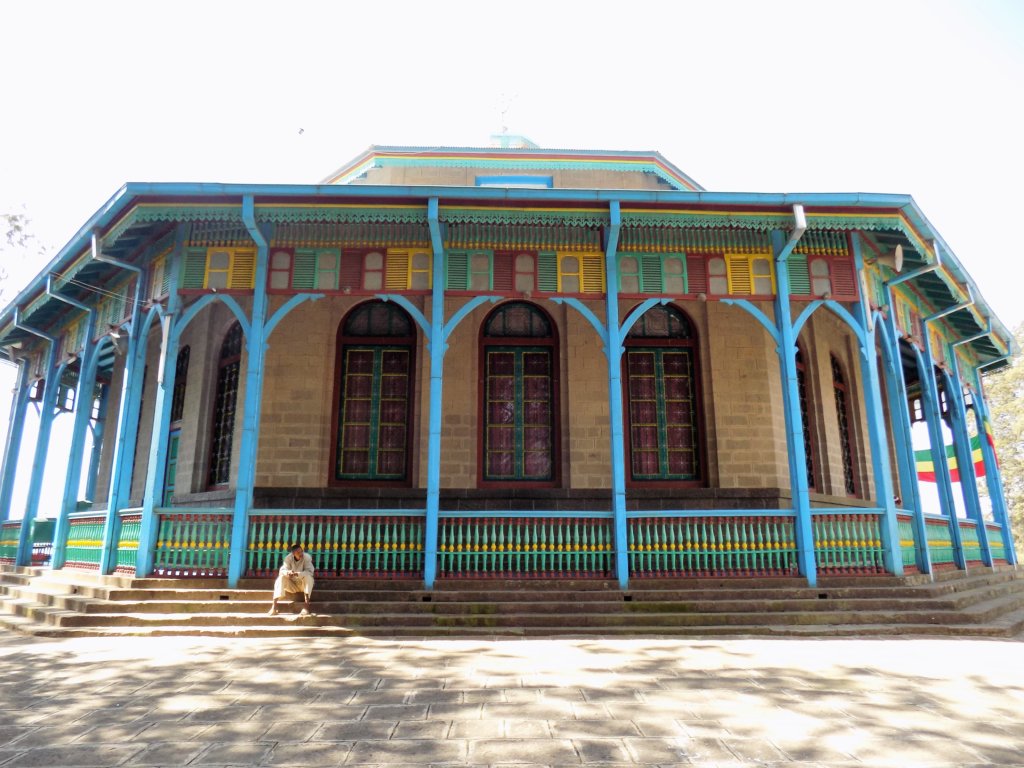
x,y
363,702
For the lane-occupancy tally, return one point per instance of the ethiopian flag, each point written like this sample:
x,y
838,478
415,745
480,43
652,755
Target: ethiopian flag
x,y
926,467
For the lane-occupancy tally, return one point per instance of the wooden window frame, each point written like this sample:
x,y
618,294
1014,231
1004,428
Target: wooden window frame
x,y
550,343
805,388
344,341
847,439
700,448
220,425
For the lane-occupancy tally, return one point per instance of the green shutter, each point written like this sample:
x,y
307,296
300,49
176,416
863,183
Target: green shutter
x,y
799,278
194,272
547,271
650,273
304,269
457,271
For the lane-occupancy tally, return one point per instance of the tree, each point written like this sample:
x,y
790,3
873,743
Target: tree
x,y
17,238
1005,394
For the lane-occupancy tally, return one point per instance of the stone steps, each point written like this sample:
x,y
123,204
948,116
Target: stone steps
x,y
984,603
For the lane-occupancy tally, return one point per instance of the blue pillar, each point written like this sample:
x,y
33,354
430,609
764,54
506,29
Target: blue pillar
x,y
993,476
965,459
83,413
436,390
615,409
98,430
903,433
156,468
256,344
126,436
933,417
881,472
791,406
47,412
15,429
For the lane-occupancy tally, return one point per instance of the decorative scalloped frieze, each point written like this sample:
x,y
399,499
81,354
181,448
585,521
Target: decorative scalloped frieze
x,y
520,216
341,214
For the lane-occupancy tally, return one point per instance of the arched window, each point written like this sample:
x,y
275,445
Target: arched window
x,y
374,395
662,398
520,389
805,418
180,383
845,419
224,406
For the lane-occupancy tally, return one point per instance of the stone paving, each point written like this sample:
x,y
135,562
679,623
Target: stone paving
x,y
653,702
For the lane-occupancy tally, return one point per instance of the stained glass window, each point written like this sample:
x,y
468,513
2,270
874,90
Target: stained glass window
x,y
661,398
375,394
843,416
224,407
519,395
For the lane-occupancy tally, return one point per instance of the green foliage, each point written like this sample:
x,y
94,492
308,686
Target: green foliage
x,y
1005,394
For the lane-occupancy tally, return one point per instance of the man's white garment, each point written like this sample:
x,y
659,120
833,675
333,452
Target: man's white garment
x,y
294,576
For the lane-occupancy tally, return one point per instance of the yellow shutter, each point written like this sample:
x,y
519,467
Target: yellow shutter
x,y
739,274
592,268
396,271
243,269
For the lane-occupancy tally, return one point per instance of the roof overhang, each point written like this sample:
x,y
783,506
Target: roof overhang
x,y
891,219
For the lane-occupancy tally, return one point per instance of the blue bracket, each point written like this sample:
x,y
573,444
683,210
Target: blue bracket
x,y
458,317
287,307
637,313
412,309
760,316
590,317
189,314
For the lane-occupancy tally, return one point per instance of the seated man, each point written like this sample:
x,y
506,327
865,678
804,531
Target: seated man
x,y
295,575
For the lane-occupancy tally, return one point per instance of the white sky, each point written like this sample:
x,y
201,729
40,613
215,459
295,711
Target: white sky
x,y
917,97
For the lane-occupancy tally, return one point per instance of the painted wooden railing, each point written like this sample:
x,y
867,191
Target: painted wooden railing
x,y
848,542
940,545
192,543
381,543
971,542
41,536
85,540
996,545
10,530
128,540
908,544
543,545
701,544
390,543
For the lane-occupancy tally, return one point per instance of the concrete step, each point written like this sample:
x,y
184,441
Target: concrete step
x,y
989,602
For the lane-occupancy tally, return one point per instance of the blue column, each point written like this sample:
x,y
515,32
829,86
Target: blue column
x,y
436,390
125,438
965,459
98,430
47,412
615,408
902,432
15,429
993,476
256,344
791,406
156,468
933,416
881,472
83,413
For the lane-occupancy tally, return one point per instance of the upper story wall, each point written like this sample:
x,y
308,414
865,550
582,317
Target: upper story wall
x,y
475,177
